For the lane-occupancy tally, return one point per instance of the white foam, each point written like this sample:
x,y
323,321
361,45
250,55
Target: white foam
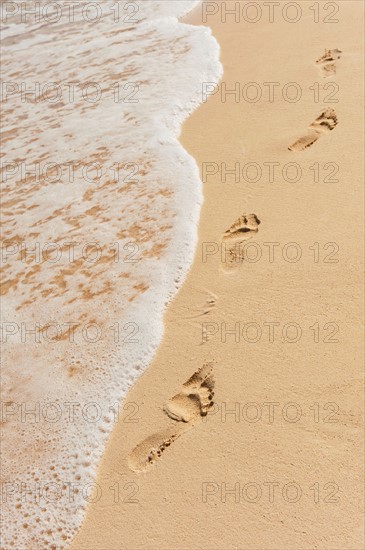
x,y
158,214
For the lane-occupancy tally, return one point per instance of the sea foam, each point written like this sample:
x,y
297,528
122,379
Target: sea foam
x,y
100,211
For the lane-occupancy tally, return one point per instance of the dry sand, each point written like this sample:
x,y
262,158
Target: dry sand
x,y
292,479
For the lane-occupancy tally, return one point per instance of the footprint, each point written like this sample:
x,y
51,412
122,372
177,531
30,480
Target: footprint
x,y
192,403
205,307
195,398
147,452
328,62
326,122
233,240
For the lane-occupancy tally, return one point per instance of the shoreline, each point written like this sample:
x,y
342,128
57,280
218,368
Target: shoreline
x,y
166,507
122,299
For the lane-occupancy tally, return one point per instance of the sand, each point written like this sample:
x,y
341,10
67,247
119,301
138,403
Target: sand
x,y
284,470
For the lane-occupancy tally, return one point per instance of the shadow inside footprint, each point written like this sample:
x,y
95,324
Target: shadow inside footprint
x,y
329,55
326,122
192,402
151,448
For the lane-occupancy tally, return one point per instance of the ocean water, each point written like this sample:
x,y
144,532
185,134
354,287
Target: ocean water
x,y
100,208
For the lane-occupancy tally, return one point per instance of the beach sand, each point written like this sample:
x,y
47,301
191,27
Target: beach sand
x,y
284,470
